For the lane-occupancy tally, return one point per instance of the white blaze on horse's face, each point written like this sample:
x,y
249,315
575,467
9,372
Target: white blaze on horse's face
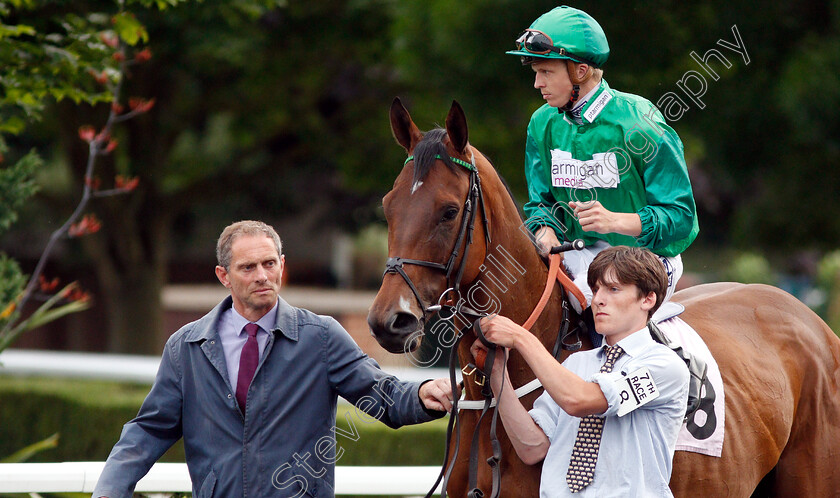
x,y
416,186
405,305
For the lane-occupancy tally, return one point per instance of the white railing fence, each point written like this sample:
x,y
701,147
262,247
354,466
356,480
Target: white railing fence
x,y
129,368
81,477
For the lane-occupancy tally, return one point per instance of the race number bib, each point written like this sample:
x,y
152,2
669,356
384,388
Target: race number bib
x,y
636,390
601,171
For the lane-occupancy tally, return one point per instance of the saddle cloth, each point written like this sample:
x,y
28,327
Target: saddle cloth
x,y
703,431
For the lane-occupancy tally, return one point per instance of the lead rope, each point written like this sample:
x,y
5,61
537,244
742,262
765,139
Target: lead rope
x,y
454,424
487,392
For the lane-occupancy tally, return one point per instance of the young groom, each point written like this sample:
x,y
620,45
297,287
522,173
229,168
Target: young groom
x,y
607,422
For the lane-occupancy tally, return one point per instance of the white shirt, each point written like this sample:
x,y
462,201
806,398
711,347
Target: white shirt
x,y
636,452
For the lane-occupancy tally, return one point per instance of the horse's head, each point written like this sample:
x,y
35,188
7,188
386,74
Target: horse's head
x,y
433,214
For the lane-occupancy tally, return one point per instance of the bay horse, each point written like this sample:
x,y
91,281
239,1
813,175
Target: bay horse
x,y
779,361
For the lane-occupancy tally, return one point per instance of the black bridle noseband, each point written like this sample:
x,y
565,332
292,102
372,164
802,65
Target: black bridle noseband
x,y
465,237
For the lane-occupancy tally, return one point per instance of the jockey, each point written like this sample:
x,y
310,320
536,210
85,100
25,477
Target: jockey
x,y
601,165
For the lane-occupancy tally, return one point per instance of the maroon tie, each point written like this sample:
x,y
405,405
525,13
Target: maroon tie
x,y
247,364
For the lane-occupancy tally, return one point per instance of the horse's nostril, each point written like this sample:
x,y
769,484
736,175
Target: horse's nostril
x,y
403,322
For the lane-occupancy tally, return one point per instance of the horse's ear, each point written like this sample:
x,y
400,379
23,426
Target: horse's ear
x,y
456,127
403,128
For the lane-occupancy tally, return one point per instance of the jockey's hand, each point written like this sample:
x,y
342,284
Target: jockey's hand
x,y
436,394
594,217
546,239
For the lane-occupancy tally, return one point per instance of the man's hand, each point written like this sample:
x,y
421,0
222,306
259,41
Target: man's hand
x,y
478,349
594,217
501,330
437,395
546,239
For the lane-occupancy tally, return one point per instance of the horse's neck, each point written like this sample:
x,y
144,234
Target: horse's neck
x,y
514,276
512,253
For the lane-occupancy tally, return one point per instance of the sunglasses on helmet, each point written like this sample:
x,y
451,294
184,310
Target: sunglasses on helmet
x,y
537,42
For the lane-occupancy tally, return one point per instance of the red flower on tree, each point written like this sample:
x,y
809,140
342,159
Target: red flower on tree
x,y
101,78
47,286
93,183
143,55
74,293
89,224
140,105
87,133
112,144
109,39
126,183
103,136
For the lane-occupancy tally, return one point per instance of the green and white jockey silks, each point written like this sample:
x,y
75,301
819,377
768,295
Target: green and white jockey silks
x,y
623,155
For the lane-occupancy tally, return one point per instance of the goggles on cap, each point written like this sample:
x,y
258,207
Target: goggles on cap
x,y
537,42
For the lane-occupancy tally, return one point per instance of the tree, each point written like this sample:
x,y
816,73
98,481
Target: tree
x,y
42,63
236,131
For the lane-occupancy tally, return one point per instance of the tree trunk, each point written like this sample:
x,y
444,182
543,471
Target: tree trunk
x,y
135,316
131,271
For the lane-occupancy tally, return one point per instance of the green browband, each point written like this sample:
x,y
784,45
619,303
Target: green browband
x,y
454,159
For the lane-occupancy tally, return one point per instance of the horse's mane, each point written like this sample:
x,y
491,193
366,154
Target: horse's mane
x,y
431,147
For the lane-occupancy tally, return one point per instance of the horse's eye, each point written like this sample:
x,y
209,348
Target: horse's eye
x,y
449,214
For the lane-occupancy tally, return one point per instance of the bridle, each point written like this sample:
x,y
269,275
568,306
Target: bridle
x,y
465,237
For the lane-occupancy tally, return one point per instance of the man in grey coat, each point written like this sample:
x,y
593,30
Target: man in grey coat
x,y
252,388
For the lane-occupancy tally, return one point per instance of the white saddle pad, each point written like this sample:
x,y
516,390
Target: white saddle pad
x,y
703,432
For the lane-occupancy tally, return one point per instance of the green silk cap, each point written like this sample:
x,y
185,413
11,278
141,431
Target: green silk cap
x,y
575,35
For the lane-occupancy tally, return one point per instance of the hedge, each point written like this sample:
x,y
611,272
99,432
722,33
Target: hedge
x,y
89,416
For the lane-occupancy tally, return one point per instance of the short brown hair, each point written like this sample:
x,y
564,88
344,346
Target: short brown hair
x,y
631,265
247,227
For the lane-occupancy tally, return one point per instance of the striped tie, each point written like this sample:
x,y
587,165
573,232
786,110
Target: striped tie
x,y
588,440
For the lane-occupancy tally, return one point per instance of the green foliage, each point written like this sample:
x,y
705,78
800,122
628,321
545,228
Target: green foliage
x,y
53,55
53,308
16,186
12,282
129,29
370,250
828,271
25,454
750,268
828,278
47,63
88,415
803,173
